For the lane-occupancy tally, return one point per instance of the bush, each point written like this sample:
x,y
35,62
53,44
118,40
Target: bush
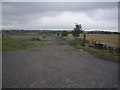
x,y
77,42
64,33
36,39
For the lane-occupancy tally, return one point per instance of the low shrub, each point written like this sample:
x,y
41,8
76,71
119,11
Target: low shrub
x,y
36,39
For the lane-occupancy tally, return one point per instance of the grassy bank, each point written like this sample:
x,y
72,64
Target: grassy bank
x,y
77,43
19,42
100,53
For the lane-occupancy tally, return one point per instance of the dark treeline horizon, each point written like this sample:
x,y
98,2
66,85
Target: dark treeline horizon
x,y
57,31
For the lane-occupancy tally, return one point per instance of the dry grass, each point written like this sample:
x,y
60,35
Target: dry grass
x,y
69,37
109,39
22,36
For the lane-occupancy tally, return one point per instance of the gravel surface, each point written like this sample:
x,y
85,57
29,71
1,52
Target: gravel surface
x,y
57,65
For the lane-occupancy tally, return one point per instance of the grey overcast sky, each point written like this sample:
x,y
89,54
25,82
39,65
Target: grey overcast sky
x,y
60,15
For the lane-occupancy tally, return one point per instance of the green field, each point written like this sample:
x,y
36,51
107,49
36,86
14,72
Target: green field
x,y
24,41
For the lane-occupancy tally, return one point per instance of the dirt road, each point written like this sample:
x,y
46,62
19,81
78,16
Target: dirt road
x,y
57,65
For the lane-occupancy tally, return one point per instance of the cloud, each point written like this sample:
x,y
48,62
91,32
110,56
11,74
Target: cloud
x,y
51,15
40,7
67,19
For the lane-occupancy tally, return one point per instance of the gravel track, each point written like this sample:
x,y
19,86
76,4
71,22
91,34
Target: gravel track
x,y
57,65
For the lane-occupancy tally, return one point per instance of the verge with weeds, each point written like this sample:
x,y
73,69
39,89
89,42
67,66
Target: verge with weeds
x,y
20,42
79,44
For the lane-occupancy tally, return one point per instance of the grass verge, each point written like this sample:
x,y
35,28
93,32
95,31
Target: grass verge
x,y
77,43
20,42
